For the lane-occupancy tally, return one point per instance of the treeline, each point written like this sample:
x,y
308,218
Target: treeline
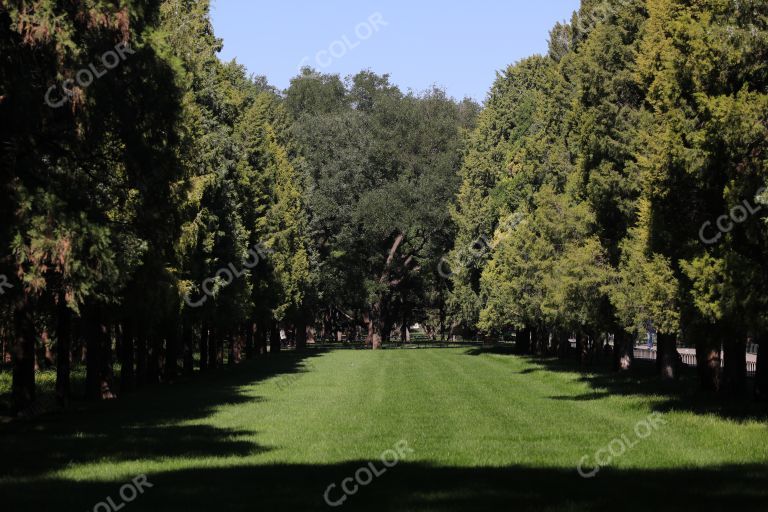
x,y
164,212
381,168
152,213
614,186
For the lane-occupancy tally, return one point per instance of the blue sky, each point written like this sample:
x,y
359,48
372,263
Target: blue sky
x,y
457,45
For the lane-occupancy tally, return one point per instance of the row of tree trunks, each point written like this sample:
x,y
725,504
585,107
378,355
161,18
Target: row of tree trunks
x,y
139,365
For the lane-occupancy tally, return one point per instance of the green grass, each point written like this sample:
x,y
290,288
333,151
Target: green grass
x,y
490,431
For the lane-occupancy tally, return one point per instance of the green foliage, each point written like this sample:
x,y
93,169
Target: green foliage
x,y
380,168
646,120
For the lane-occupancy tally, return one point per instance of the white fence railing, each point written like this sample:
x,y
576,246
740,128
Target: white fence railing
x,y
689,358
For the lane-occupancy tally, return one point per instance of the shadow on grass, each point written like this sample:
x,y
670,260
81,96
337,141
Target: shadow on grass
x,y
586,397
683,394
144,425
491,349
412,487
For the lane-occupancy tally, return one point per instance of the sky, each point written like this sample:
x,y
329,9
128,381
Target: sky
x,y
457,45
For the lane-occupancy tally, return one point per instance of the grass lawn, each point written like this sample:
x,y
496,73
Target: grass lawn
x,y
488,430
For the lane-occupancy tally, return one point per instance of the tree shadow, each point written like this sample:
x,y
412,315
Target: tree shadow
x,y
412,487
491,349
150,424
586,397
683,394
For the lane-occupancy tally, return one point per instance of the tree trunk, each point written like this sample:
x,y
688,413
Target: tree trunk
x,y
523,341
213,350
582,347
172,352
326,327
23,380
369,329
301,332
538,341
623,351
107,374
141,357
563,344
274,338
236,346
442,320
386,332
3,345
189,347
127,375
261,337
708,363
250,325
204,337
46,356
232,354
735,364
667,356
221,341
93,364
761,370
375,328
63,347
376,339
98,366
153,369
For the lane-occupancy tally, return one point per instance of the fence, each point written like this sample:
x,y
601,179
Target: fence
x,y
689,358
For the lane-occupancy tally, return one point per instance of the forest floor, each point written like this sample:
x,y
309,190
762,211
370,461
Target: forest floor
x,y
477,429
